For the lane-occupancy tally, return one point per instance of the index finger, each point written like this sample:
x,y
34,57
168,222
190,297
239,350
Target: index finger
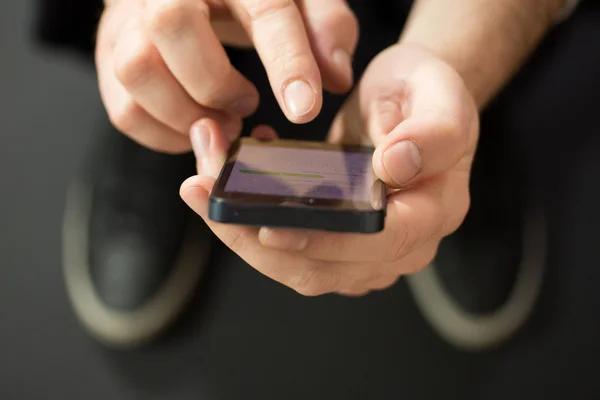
x,y
277,30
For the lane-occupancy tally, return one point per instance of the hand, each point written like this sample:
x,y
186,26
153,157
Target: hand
x,y
161,63
424,123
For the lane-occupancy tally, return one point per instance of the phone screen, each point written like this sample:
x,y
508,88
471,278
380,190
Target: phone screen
x,y
313,173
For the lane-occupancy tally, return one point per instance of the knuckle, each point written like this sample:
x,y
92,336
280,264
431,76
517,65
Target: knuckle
x,y
124,117
137,65
214,93
263,9
129,119
313,282
168,17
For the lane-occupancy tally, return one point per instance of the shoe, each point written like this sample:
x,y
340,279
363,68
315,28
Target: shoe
x,y
133,253
485,280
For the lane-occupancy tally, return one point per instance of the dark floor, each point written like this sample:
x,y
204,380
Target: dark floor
x,y
229,346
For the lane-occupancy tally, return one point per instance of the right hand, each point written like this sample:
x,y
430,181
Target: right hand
x,y
162,66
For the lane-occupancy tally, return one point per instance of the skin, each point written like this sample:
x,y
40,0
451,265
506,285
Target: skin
x,y
407,96
161,63
418,103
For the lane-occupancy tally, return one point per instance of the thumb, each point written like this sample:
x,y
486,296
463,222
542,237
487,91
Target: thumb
x,y
430,131
420,147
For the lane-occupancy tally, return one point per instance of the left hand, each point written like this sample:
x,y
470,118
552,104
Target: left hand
x,y
424,123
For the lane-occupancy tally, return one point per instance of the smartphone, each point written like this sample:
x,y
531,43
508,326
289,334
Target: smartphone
x,y
301,185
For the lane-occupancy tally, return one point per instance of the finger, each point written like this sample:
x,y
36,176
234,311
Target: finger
x,y
421,147
413,217
141,70
210,147
277,31
127,116
429,131
183,35
264,132
332,29
301,274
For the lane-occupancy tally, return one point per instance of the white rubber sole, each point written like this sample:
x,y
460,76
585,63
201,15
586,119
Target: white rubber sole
x,y
133,328
479,332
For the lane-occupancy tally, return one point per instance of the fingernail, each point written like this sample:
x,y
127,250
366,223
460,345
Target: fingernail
x,y
243,106
200,136
299,98
403,161
341,59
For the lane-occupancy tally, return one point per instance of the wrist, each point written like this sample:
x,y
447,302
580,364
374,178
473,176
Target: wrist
x,y
485,41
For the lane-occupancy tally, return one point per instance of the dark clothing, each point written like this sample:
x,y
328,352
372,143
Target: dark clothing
x,y
68,23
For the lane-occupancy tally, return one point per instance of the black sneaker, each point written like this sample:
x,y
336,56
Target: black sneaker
x,y
486,278
132,252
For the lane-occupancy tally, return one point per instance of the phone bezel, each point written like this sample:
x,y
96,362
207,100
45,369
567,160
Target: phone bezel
x,y
219,194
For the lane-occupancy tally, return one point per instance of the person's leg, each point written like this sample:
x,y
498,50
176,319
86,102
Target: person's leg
x,y
132,256
486,278
132,251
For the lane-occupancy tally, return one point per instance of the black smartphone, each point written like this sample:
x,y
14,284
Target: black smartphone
x,y
299,184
